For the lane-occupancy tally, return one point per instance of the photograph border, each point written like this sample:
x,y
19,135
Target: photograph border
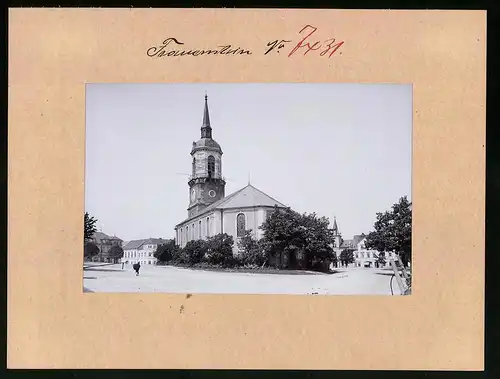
x,y
47,70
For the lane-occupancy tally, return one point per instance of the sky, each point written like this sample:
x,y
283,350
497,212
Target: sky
x,y
340,150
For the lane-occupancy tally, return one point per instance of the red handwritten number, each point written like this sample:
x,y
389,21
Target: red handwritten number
x,y
299,45
331,46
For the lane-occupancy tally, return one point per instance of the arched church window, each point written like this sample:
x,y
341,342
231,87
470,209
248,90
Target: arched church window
x,y
240,225
208,226
194,166
211,166
199,229
187,233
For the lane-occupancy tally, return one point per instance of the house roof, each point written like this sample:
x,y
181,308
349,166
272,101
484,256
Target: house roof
x,y
346,243
358,238
98,236
248,196
135,244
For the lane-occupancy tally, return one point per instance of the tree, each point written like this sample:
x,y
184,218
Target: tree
x,y
283,236
90,228
251,251
90,249
220,250
393,231
346,257
318,242
194,252
115,252
296,240
167,251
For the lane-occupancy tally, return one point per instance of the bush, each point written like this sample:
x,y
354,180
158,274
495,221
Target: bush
x,y
194,252
252,252
220,250
167,252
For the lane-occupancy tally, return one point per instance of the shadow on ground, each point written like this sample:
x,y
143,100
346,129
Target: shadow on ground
x,y
103,270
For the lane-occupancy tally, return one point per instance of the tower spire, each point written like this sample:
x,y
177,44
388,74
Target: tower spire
x,y
206,129
335,228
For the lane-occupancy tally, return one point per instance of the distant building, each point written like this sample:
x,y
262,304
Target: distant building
x,y
340,244
369,258
141,251
363,257
104,243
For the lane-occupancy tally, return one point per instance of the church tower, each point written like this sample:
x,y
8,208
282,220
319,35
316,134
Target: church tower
x,y
336,235
206,185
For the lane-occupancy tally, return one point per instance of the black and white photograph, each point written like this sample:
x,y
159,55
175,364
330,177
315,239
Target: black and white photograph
x,y
248,188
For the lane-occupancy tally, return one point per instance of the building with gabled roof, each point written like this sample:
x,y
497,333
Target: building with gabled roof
x,y
104,243
210,212
141,251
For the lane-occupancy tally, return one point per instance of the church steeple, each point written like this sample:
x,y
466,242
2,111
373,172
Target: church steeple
x,y
335,227
206,129
206,184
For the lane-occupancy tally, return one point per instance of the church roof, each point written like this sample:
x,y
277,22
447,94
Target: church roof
x,y
248,196
206,141
206,115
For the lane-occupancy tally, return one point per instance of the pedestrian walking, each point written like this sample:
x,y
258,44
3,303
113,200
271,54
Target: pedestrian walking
x,y
137,267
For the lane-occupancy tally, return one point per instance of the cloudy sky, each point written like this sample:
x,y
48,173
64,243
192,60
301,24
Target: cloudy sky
x,y
339,150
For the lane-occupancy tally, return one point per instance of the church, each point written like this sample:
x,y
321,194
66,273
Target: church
x,y
210,211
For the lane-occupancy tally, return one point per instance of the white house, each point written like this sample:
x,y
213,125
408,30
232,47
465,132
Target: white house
x,y
368,257
141,251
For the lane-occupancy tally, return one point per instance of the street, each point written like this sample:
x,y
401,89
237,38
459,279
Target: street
x,y
167,279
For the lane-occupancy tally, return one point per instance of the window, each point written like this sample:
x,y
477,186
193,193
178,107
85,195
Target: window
x,y
199,229
194,166
211,166
208,226
187,233
193,233
240,225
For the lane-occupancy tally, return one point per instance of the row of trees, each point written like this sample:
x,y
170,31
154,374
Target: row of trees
x,y
289,240
217,250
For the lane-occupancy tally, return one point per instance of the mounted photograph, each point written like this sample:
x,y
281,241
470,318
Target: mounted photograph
x,y
248,188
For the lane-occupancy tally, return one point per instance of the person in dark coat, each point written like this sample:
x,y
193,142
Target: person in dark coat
x,y
137,267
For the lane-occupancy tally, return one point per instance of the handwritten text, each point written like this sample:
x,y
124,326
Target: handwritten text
x,y
164,50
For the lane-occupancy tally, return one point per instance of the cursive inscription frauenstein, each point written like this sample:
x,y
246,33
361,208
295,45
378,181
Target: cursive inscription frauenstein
x,y
171,47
